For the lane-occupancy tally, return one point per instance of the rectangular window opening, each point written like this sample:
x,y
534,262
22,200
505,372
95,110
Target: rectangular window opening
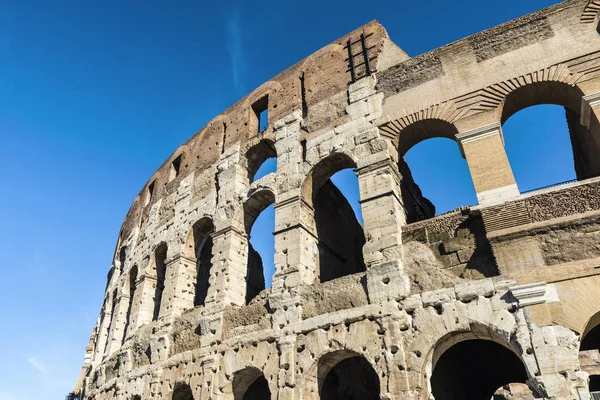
x,y
149,193
175,165
261,113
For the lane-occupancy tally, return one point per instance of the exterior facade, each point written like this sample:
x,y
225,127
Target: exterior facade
x,y
393,308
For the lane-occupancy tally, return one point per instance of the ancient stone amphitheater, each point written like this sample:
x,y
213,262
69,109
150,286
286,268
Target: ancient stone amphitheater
x,y
497,299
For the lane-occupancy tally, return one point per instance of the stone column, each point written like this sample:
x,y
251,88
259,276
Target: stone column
x,y
142,308
296,245
119,319
180,283
101,338
383,217
228,272
490,170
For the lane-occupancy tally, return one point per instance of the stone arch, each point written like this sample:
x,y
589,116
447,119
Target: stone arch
x,y
198,247
348,375
585,139
245,217
338,234
464,370
250,384
589,351
590,12
485,342
158,270
256,155
424,129
153,189
182,391
133,278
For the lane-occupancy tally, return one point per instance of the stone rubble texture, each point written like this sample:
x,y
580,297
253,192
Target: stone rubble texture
x,y
384,303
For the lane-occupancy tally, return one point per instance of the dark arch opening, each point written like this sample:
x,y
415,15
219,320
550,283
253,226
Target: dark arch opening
x,y
589,343
200,246
132,282
259,223
262,159
435,176
339,231
182,392
548,142
160,268
250,384
474,369
352,378
122,257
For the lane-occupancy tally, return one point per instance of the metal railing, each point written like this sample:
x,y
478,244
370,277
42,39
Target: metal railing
x,y
549,186
595,395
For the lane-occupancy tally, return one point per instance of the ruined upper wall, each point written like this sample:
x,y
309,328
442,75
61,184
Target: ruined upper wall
x,y
318,84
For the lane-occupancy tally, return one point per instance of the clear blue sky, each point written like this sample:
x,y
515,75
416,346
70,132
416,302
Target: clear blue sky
x,y
95,95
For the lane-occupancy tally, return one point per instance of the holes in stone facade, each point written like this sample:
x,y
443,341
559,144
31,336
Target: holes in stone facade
x,y
260,114
182,391
352,377
160,269
259,220
435,177
541,147
463,370
250,384
262,160
175,167
199,247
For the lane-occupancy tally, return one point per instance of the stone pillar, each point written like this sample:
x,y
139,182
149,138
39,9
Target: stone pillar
x,y
590,105
228,272
136,306
101,336
142,308
180,283
383,217
296,245
286,381
119,319
490,170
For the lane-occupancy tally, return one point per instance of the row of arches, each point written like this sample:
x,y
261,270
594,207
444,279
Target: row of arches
x,y
547,141
472,369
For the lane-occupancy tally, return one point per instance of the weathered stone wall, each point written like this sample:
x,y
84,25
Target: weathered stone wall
x,y
517,270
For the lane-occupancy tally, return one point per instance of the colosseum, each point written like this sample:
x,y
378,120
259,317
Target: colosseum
x,y
495,300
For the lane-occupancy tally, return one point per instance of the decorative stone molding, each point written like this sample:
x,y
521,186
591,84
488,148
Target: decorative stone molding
x,y
587,103
478,133
533,293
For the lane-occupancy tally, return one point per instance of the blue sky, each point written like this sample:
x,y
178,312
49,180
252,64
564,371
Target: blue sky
x,y
95,95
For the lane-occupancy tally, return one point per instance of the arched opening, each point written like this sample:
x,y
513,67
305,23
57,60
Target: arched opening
x,y
160,269
435,177
589,353
122,257
346,375
259,223
199,247
182,391
475,369
546,141
250,384
132,283
338,224
262,160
